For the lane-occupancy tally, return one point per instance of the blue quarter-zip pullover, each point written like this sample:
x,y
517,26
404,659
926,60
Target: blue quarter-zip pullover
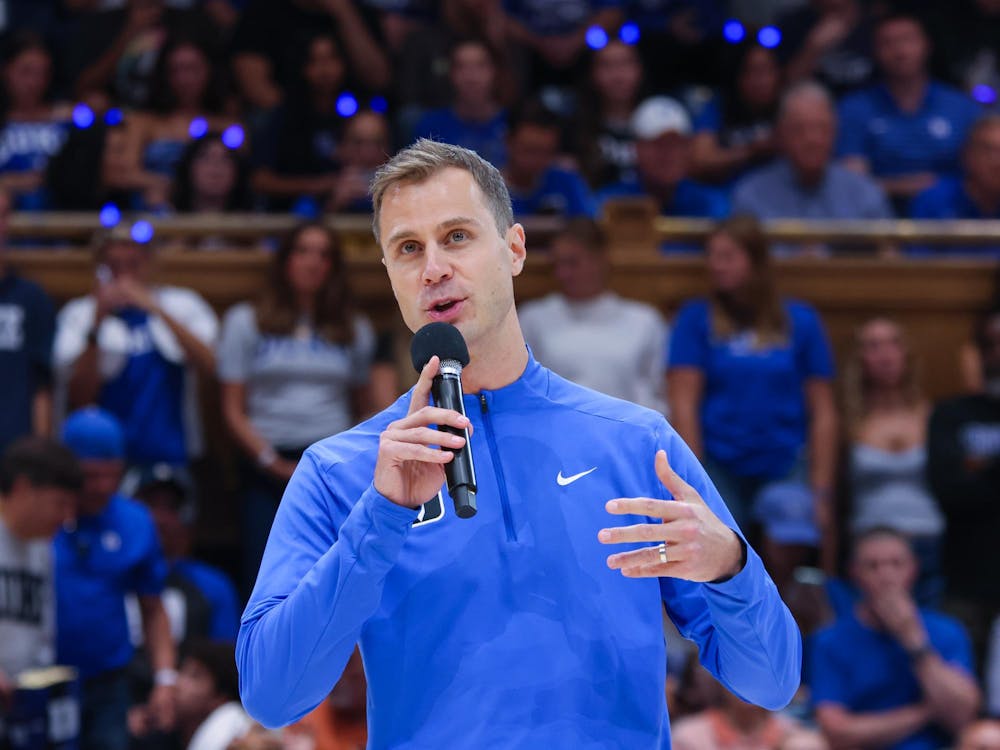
x,y
506,630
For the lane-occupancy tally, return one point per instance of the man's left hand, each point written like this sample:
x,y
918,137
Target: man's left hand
x,y
700,547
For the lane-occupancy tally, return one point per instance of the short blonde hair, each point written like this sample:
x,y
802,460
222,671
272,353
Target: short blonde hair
x,y
424,159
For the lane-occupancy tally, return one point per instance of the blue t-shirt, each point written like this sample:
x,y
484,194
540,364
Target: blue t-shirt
x,y
753,410
106,557
27,147
690,198
219,594
899,143
27,325
559,193
485,138
866,670
947,199
147,396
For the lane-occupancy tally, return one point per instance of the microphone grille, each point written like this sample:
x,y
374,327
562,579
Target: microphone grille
x,y
441,339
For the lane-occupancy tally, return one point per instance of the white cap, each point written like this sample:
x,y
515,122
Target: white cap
x,y
658,115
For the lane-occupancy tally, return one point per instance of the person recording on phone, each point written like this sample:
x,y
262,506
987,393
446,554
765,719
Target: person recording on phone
x,y
535,621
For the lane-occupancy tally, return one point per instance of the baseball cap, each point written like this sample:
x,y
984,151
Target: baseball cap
x,y
177,479
93,433
786,511
658,115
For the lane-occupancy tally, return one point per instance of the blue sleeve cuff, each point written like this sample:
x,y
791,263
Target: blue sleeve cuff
x,y
384,509
751,584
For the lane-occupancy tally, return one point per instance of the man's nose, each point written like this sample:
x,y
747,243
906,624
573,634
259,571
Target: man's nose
x,y
436,265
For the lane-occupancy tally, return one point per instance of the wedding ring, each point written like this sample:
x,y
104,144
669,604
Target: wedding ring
x,y
662,549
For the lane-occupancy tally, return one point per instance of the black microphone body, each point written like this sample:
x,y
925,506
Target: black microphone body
x,y
446,342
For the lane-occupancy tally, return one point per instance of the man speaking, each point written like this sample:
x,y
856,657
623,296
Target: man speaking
x,y
517,627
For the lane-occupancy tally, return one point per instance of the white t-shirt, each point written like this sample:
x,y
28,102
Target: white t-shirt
x,y
27,603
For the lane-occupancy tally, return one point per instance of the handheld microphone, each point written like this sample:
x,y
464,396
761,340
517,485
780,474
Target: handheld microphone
x,y
445,341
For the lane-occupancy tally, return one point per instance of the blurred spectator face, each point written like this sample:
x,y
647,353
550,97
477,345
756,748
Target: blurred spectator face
x,y
43,509
26,77
324,70
616,73
982,735
579,271
197,693
127,260
213,171
981,158
663,161
883,354
310,261
101,478
188,72
115,158
163,502
759,80
883,563
729,266
804,740
473,74
365,144
901,48
806,131
531,149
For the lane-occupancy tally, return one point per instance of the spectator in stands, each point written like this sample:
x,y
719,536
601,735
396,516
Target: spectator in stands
x,y
475,119
605,143
299,153
662,130
209,714
536,184
212,177
109,551
731,724
830,41
338,723
885,673
885,426
27,326
587,333
293,366
365,146
135,348
804,739
39,481
271,35
32,128
803,183
975,195
750,392
188,100
908,131
980,735
735,130
964,472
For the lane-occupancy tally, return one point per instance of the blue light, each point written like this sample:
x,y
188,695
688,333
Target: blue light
x,y
110,215
984,94
83,116
769,36
198,128
379,104
347,104
733,31
596,37
629,33
113,116
232,137
142,232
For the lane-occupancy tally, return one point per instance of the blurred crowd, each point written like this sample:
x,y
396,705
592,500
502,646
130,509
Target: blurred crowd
x,y
874,507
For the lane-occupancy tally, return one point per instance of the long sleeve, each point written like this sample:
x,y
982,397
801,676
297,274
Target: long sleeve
x,y
745,634
318,585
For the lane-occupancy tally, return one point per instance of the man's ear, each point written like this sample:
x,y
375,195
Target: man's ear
x,y
517,247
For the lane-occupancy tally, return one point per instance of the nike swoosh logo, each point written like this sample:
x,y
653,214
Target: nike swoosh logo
x,y
563,481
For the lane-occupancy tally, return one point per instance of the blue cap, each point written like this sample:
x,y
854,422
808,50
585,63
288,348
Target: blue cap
x,y
94,434
786,511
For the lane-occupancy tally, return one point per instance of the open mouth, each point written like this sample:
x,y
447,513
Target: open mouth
x,y
444,306
446,309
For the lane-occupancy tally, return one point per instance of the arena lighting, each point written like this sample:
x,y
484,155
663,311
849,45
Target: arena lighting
x,y
142,231
347,104
110,215
769,36
629,33
83,116
113,116
232,137
733,31
984,94
378,104
596,37
198,128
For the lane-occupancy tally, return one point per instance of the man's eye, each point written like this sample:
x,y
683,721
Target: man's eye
x,y
408,248
457,236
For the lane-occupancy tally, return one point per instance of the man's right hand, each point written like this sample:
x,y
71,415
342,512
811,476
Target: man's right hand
x,y
408,470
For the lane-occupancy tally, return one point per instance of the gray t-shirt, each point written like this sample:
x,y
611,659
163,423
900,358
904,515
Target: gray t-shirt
x,y
27,603
298,389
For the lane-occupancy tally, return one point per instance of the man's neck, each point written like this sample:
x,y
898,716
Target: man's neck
x,y
908,93
476,111
497,363
14,524
809,179
987,203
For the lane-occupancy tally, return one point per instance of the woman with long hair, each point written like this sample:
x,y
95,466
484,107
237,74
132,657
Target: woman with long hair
x,y
750,392
885,424
294,368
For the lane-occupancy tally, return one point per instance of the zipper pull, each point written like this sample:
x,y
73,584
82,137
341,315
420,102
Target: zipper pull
x,y
482,403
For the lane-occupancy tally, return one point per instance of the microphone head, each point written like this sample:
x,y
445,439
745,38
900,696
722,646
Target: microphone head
x,y
442,339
